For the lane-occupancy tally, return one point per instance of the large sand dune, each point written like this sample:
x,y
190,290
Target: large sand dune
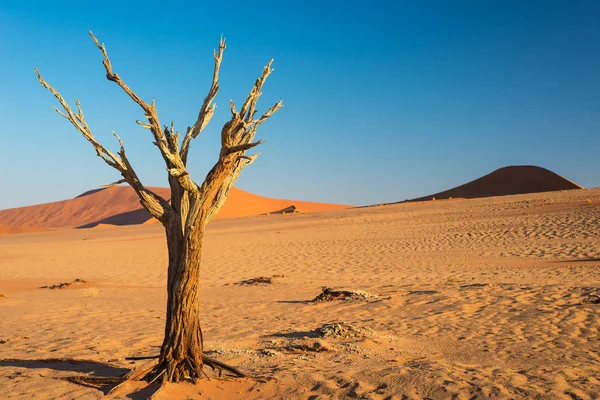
x,y
478,299
119,205
518,179
8,229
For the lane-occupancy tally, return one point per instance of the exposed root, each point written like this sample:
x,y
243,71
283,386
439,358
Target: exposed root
x,y
94,381
135,374
214,364
141,357
206,360
151,372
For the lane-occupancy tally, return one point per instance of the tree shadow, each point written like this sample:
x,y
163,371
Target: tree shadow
x,y
95,368
146,392
591,259
295,335
91,369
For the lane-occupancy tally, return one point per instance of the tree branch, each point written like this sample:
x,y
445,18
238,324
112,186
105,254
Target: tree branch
x,y
241,147
249,106
207,110
172,158
156,205
108,185
108,157
236,138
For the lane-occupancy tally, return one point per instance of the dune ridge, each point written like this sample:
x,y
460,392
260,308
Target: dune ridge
x,y
119,205
514,179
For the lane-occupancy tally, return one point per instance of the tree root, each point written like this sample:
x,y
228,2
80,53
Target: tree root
x,y
151,372
214,364
206,360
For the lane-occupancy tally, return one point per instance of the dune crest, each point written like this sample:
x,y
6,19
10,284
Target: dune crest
x,y
515,179
119,205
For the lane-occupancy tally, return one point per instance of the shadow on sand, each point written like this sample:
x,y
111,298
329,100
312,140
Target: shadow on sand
x,y
577,260
91,369
295,335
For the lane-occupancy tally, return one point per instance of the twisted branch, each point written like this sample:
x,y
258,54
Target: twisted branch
x,y
162,138
207,110
156,205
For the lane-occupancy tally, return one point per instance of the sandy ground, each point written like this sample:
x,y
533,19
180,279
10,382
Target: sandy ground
x,y
485,298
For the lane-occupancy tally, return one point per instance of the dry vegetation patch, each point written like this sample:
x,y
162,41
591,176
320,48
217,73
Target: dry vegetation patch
x,y
331,294
343,330
308,344
591,299
63,285
260,280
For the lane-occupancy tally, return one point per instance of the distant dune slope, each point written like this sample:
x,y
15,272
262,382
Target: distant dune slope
x,y
6,229
119,205
519,179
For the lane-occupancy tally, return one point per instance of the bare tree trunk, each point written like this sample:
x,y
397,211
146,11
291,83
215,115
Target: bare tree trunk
x,y
181,352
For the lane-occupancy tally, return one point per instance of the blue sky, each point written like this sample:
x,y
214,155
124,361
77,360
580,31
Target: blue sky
x,y
383,100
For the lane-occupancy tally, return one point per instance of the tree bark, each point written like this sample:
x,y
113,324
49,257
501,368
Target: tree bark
x,y
182,348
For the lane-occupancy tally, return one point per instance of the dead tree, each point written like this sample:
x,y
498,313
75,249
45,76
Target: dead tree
x,y
191,207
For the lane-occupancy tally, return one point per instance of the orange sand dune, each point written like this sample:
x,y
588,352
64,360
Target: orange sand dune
x,y
519,179
119,205
8,229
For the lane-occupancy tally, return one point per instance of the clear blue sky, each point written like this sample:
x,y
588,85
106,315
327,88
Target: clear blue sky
x,y
383,100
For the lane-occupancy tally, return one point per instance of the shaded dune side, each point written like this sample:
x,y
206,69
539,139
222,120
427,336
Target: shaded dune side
x,y
91,207
519,179
119,205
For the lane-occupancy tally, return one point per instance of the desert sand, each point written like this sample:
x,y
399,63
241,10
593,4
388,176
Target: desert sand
x,y
476,299
119,205
8,229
